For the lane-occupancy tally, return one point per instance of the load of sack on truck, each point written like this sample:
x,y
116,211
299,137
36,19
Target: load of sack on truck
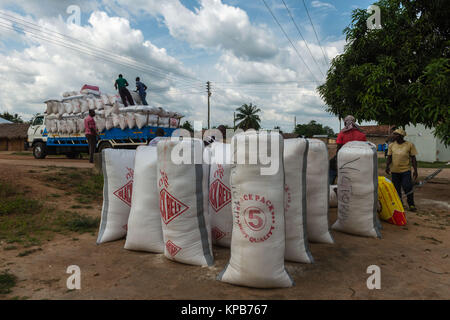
x,y
66,116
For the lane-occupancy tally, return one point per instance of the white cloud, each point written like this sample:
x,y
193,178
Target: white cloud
x,y
213,25
324,5
44,70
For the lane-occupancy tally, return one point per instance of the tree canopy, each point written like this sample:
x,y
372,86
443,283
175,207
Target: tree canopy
x,y
187,126
11,117
248,116
313,128
399,74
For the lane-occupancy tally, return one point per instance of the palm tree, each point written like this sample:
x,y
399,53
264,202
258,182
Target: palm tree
x,y
248,114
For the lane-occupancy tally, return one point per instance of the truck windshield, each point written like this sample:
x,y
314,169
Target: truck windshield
x,y
38,121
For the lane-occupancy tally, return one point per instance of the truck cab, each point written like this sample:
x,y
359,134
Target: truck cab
x,y
37,136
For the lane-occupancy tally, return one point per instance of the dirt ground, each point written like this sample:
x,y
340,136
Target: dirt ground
x,y
414,260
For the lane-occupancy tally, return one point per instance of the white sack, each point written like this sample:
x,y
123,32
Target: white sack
x,y
141,119
220,194
358,189
100,123
184,203
317,188
80,125
258,240
123,123
109,123
118,166
295,166
136,97
144,223
163,122
152,120
131,120
84,106
116,120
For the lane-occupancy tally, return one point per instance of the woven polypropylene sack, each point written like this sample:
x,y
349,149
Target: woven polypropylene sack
x,y
317,189
295,164
144,223
118,167
220,194
258,239
182,186
358,189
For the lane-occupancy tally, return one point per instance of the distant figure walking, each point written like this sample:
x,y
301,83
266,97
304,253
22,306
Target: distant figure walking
x,y
90,130
141,88
121,84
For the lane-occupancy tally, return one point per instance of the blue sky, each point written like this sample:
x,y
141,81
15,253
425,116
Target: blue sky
x,y
234,44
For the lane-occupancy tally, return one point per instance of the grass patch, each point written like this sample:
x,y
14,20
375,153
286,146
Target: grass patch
x,y
28,222
85,184
28,252
7,248
7,282
55,195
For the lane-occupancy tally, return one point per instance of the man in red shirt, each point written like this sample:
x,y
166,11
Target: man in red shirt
x,y
351,132
90,130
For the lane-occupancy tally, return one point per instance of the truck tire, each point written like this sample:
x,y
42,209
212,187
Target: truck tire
x,y
39,150
104,145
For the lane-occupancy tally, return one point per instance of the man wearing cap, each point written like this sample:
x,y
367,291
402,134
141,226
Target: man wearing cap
x,y
401,155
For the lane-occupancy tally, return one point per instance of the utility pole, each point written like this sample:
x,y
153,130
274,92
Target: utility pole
x,y
208,88
295,122
234,120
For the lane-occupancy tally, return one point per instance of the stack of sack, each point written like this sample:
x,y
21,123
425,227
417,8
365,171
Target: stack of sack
x,y
166,200
66,116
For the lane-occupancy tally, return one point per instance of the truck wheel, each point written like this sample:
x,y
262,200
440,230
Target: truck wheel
x,y
39,150
103,146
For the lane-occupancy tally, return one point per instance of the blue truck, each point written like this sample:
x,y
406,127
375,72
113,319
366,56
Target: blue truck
x,y
44,143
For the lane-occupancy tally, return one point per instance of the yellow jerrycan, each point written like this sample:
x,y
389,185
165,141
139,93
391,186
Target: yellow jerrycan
x,y
390,207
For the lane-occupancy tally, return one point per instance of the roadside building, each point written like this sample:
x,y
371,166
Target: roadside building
x,y
13,136
429,148
377,134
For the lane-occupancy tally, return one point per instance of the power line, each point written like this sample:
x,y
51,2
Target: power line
x,y
301,35
100,51
287,37
314,29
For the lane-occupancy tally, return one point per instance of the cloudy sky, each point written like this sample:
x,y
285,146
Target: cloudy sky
x,y
175,46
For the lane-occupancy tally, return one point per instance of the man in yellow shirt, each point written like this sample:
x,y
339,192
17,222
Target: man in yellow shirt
x,y
402,154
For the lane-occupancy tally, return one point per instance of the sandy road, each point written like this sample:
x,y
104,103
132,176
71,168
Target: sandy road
x,y
7,158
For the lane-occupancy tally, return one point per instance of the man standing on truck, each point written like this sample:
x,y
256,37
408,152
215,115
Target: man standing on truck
x,y
121,84
90,130
141,88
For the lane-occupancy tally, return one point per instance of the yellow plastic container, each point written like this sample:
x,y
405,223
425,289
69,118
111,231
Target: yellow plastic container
x,y
391,209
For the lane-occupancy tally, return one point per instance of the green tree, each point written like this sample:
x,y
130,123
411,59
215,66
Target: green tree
x,y
398,74
313,128
11,117
248,116
188,126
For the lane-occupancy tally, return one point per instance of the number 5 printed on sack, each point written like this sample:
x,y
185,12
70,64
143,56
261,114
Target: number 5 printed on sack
x,y
374,281
74,281
255,218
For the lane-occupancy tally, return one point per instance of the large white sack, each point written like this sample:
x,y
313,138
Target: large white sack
x,y
118,167
144,223
163,122
220,194
76,106
80,125
358,189
109,123
136,97
141,119
295,165
184,202
105,99
49,109
317,188
123,123
100,123
98,104
131,120
258,240
84,106
116,120
152,120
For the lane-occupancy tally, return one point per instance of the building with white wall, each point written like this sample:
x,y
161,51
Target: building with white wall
x,y
429,147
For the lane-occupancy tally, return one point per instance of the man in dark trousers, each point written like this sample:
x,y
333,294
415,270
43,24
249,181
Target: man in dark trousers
x,y
121,84
90,130
141,88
